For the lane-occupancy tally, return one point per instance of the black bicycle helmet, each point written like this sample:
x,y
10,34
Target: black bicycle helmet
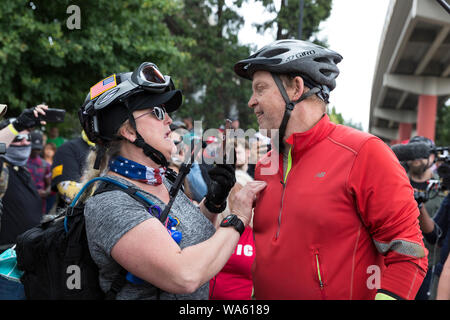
x,y
112,101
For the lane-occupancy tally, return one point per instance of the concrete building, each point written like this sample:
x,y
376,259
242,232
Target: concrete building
x,y
412,74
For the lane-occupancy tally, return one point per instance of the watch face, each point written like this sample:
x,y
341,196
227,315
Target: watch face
x,y
228,220
234,221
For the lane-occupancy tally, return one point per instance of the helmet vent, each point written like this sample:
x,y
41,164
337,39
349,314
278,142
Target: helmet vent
x,y
322,59
274,52
327,73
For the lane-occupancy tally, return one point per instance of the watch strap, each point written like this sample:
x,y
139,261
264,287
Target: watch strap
x,y
233,221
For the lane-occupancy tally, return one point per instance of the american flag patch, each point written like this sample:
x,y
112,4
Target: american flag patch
x,y
103,86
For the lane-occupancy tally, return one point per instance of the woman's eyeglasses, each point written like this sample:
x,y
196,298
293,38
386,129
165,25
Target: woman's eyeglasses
x,y
158,112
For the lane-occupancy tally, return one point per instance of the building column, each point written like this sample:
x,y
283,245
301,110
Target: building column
x,y
426,116
404,131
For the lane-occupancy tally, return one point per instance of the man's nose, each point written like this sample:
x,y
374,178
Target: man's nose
x,y
252,102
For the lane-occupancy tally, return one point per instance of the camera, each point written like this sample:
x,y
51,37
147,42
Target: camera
x,y
432,190
53,115
442,155
421,196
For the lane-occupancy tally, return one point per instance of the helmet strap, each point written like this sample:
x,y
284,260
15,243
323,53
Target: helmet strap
x,y
100,153
289,107
148,150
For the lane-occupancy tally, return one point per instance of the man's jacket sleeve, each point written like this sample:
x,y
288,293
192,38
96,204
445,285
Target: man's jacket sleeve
x,y
385,201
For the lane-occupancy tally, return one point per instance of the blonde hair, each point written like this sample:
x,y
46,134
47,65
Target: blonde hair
x,y
112,150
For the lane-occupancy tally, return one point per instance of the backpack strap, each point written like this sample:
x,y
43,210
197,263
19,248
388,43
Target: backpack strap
x,y
112,185
117,284
131,191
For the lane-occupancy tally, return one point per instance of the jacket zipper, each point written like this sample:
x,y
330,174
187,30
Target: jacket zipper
x,y
281,210
284,189
319,274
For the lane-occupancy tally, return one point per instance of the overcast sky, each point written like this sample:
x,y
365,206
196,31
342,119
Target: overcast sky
x,y
354,30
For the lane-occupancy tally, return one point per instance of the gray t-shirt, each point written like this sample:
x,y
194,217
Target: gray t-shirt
x,y
109,215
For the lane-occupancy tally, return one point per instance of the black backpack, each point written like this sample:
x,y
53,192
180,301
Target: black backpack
x,y
55,257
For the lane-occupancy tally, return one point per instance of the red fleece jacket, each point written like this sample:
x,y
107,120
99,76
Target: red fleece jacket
x,y
342,225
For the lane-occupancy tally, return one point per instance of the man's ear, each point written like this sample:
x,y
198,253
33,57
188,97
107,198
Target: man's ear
x,y
299,87
127,132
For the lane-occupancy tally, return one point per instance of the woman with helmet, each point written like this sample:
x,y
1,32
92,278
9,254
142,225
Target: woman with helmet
x,y
126,115
338,219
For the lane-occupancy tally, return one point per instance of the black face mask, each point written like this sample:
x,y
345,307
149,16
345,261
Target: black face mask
x,y
17,155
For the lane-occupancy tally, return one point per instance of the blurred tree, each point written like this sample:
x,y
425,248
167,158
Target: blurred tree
x,y
42,59
335,116
338,118
47,55
286,19
212,91
443,125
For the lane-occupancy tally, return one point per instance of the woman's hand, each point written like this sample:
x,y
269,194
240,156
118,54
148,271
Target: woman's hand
x,y
244,198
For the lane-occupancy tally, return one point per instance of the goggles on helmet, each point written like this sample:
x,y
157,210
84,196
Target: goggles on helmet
x,y
116,87
150,78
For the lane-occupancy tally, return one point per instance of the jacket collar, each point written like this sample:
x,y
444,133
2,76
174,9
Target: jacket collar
x,y
302,141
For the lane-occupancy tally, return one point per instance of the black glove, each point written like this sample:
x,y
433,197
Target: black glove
x,y
421,197
26,120
222,180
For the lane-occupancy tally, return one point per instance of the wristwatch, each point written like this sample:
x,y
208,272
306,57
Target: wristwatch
x,y
233,221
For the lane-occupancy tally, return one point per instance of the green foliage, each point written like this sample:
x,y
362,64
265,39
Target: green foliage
x,y
41,59
210,86
287,18
335,116
338,118
443,125
194,41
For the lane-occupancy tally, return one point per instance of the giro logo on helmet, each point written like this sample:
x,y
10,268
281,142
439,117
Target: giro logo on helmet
x,y
300,55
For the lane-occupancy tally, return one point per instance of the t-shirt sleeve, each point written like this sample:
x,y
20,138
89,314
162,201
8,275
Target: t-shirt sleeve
x,y
110,215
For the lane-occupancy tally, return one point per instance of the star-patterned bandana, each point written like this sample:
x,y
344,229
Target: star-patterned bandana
x,y
136,171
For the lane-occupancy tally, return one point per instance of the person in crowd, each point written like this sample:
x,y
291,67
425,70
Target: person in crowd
x,y
338,219
197,179
443,292
39,168
133,147
48,154
22,206
235,123
259,146
54,137
67,168
420,173
436,231
234,281
188,123
179,156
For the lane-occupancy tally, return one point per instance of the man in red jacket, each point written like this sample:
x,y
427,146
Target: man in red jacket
x,y
338,219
